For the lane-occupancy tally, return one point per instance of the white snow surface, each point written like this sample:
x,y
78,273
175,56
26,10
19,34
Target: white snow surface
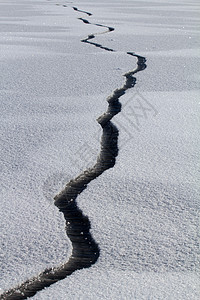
x,y
144,212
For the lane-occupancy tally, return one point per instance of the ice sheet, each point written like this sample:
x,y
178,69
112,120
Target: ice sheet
x,y
144,212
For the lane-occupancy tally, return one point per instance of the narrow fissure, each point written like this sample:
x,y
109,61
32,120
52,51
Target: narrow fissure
x,y
85,250
86,12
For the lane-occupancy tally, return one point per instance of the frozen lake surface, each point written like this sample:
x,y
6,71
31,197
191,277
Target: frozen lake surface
x,y
144,212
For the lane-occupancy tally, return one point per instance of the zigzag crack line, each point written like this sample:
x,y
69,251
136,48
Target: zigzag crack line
x,y
85,12
100,25
93,35
85,250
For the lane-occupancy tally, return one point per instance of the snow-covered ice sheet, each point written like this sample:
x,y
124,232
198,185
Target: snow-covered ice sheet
x,y
145,211
112,284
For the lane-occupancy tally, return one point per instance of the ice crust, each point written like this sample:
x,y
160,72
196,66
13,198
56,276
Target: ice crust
x,y
145,211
